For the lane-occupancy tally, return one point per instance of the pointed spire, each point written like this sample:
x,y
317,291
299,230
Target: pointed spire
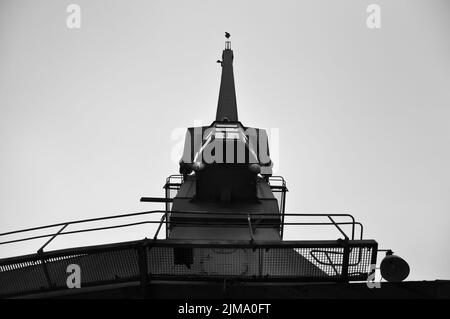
x,y
227,106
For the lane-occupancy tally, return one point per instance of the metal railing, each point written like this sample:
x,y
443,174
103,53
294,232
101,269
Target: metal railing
x,y
246,218
343,259
146,260
277,185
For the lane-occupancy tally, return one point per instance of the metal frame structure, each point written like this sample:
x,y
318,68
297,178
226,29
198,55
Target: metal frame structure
x,y
135,261
165,219
342,260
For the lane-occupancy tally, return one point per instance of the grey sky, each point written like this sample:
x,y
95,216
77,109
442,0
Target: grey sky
x,y
86,116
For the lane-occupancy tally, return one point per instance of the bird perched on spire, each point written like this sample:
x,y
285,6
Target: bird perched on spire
x,y
227,35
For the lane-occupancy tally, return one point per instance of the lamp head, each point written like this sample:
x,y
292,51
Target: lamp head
x,y
394,268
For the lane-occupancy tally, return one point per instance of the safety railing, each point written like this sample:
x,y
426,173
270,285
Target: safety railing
x,y
277,185
247,219
147,260
171,187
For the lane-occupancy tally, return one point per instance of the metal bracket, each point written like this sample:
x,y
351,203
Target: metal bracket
x,y
41,250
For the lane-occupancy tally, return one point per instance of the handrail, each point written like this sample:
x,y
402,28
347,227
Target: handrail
x,y
164,220
198,224
276,183
179,212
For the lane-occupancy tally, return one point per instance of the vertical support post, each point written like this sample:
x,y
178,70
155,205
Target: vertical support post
x,y
353,230
250,228
44,267
260,265
283,193
345,261
167,208
373,260
143,269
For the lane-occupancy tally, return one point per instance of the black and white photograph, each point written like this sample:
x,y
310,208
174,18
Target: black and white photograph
x,y
225,155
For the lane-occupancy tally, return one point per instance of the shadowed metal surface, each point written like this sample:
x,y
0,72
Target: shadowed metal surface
x,y
177,260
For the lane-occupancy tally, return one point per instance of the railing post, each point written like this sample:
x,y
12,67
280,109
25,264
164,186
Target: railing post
x,y
282,214
41,250
143,269
283,203
44,267
345,261
167,210
159,227
261,260
339,228
373,260
250,228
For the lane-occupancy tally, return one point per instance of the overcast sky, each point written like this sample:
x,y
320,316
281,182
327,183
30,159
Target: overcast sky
x,y
89,116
